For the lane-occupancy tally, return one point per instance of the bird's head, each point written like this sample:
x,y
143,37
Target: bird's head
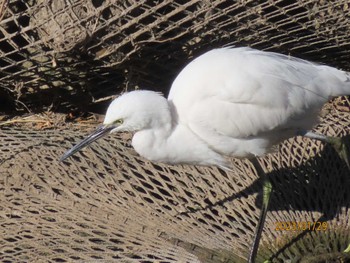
x,y
132,111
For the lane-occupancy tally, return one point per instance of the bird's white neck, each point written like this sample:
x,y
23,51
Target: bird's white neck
x,y
174,144
150,143
167,140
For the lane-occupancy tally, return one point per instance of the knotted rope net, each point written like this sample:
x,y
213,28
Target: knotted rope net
x,y
107,204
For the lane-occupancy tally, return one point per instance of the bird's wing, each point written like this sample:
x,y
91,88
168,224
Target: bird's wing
x,y
241,93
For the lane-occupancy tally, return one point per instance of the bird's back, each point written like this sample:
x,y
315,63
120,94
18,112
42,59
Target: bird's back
x,y
241,97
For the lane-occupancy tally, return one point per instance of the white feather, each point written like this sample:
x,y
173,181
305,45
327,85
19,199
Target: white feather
x,y
228,102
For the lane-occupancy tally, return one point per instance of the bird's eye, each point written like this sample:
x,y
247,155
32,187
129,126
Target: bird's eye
x,y
119,121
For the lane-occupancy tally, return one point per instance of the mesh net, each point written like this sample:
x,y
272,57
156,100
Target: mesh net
x,y
107,204
68,54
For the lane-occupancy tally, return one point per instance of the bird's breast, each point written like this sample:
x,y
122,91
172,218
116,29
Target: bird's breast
x,y
181,146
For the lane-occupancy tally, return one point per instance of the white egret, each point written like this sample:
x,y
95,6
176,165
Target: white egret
x,y
227,102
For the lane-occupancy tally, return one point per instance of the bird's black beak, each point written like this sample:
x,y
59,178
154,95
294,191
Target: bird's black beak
x,y
98,133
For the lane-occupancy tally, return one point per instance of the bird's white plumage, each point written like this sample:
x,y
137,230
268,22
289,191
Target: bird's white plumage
x,y
228,102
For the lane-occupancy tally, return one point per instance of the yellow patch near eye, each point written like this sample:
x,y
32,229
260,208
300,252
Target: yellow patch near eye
x,y
119,121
